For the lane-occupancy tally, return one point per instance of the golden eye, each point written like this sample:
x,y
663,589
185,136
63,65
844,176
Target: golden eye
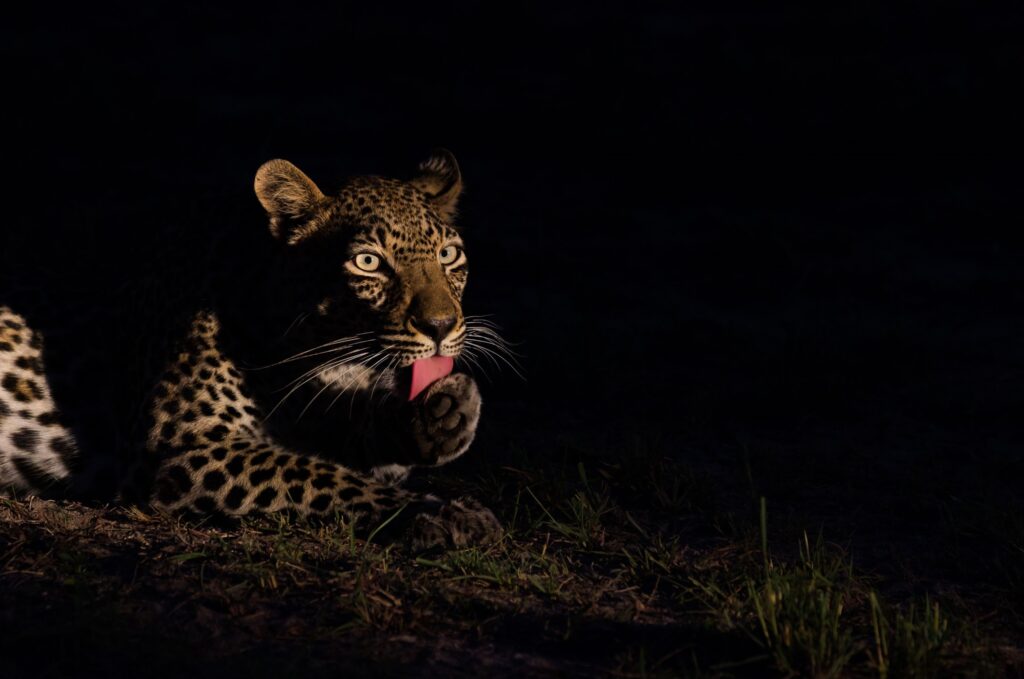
x,y
367,262
448,254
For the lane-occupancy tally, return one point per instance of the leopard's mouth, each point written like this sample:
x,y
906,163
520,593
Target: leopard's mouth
x,y
410,381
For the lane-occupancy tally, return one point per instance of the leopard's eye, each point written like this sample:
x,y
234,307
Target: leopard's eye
x,y
367,262
448,254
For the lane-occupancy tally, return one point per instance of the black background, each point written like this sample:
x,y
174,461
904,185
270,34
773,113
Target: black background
x,y
704,224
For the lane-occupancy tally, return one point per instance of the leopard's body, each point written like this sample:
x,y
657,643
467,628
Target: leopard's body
x,y
293,401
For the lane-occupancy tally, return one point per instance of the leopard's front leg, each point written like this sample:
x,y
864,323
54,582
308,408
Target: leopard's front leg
x,y
244,475
247,474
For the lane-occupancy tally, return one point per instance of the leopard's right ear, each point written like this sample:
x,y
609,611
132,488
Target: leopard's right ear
x,y
290,198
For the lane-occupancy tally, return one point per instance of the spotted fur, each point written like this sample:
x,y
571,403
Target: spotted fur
x,y
37,452
243,418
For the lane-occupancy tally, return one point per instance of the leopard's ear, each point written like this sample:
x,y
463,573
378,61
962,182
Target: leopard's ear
x,y
440,179
290,198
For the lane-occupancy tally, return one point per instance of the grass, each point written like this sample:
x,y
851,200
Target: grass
x,y
633,570
909,644
800,611
815,616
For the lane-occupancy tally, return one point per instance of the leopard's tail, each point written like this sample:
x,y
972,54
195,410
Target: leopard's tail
x,y
38,453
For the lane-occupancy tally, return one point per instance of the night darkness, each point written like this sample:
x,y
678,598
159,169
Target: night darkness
x,y
780,248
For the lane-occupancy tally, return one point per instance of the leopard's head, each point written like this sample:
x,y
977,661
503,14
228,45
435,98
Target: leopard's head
x,y
382,264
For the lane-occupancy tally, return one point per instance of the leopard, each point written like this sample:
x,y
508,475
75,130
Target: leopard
x,y
295,397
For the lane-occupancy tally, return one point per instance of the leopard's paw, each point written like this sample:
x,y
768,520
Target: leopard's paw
x,y
445,418
458,523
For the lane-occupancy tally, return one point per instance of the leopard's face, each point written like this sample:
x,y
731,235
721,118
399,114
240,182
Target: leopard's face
x,y
388,267
407,265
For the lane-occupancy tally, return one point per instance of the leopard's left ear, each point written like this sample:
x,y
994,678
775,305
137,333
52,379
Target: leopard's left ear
x,y
440,179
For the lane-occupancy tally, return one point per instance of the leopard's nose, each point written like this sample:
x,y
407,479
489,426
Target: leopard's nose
x,y
434,327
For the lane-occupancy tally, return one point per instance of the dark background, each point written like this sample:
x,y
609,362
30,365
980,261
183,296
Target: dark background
x,y
786,234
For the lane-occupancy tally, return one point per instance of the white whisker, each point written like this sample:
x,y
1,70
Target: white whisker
x,y
307,377
327,347
482,339
468,355
328,364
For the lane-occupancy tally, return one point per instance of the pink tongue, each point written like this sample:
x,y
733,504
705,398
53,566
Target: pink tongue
x,y
426,371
